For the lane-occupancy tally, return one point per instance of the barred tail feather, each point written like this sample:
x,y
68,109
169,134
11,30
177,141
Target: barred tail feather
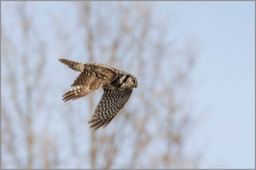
x,y
72,64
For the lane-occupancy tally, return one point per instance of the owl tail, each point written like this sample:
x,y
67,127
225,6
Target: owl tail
x,y
72,64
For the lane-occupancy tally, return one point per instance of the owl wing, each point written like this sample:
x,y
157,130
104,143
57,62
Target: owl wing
x,y
112,101
92,77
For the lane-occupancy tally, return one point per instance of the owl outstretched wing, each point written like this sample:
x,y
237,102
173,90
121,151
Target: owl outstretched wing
x,y
112,101
91,78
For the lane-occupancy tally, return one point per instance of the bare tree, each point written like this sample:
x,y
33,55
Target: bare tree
x,y
24,96
114,36
151,130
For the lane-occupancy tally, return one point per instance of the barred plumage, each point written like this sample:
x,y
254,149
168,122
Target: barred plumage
x,y
117,86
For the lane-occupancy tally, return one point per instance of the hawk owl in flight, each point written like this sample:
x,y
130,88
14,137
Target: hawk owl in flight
x,y
117,86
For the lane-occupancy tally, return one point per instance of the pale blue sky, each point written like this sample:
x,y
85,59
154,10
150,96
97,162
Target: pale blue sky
x,y
224,78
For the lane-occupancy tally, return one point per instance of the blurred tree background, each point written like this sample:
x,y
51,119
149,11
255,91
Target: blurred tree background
x,y
38,130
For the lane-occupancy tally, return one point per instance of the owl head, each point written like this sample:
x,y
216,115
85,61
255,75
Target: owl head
x,y
128,82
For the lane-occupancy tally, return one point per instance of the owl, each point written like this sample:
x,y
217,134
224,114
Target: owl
x,y
117,86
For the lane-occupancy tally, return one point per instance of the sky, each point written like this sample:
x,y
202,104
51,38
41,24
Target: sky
x,y
223,34
223,79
